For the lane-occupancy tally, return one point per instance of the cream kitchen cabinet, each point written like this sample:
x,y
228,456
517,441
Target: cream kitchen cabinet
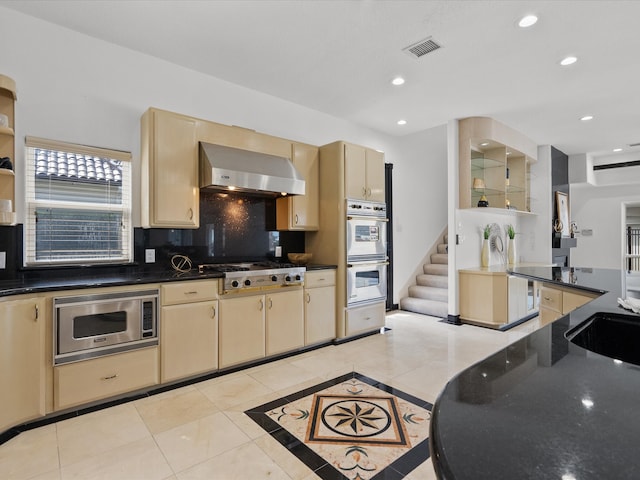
x,y
169,171
319,306
364,173
301,212
22,362
556,302
284,321
90,380
241,330
364,319
490,297
252,327
188,329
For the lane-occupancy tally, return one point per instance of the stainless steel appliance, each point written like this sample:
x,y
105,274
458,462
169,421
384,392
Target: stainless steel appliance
x,y
366,282
255,276
88,326
366,231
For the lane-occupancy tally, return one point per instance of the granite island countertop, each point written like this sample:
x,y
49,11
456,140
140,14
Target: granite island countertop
x,y
544,408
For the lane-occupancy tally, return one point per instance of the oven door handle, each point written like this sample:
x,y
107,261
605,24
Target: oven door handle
x,y
365,217
362,264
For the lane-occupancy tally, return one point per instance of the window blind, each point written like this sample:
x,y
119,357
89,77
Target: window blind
x,y
78,204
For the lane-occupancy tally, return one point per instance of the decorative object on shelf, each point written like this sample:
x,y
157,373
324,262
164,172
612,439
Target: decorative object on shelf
x,y
562,212
483,202
484,254
511,246
557,228
573,229
478,184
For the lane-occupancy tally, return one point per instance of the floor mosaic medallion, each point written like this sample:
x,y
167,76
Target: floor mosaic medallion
x,y
351,427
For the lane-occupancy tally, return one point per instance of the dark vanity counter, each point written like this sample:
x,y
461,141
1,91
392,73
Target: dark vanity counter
x,y
544,408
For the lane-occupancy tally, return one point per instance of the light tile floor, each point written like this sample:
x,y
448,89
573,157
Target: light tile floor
x,y
200,431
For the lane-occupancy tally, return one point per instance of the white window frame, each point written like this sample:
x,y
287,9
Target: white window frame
x,y
125,255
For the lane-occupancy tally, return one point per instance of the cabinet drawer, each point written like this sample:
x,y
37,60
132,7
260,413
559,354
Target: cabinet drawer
x,y
363,319
319,278
188,292
551,299
89,380
547,315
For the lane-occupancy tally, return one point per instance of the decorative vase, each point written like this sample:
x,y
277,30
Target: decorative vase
x,y
511,251
484,256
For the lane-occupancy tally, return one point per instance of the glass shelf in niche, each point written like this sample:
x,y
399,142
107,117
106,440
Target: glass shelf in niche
x,y
514,189
484,163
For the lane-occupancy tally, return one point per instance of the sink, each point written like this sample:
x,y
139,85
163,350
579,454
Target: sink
x,y
610,334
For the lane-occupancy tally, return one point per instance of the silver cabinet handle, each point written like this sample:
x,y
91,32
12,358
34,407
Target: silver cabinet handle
x,y
191,214
364,192
548,299
192,292
213,312
110,377
296,219
308,298
261,305
270,304
37,313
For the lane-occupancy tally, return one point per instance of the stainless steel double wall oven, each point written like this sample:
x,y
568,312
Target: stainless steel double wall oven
x,y
366,252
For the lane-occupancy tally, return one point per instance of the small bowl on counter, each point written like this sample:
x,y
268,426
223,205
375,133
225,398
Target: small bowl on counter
x,y
300,258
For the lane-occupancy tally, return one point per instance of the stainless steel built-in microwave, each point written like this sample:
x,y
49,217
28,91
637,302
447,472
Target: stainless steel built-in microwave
x,y
88,326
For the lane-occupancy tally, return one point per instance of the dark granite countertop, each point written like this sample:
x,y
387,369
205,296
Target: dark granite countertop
x,y
544,408
37,281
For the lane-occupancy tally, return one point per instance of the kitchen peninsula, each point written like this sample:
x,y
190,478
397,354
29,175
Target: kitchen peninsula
x,y
544,407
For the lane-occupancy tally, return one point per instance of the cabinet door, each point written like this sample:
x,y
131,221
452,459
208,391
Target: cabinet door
x,y
285,322
188,340
320,314
355,162
241,330
375,176
301,212
175,189
22,361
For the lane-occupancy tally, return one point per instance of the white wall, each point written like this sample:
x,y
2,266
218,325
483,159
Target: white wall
x,y
419,202
78,89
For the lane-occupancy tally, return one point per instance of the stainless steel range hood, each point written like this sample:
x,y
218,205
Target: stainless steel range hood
x,y
227,168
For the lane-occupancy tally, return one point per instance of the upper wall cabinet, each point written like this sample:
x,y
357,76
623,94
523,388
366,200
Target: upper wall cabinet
x,y
169,171
364,173
301,212
7,149
494,163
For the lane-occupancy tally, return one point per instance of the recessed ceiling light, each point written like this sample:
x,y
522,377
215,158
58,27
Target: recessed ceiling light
x,y
586,118
617,149
527,21
568,61
484,144
402,122
397,81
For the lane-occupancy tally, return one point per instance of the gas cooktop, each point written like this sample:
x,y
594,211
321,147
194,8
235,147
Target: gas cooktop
x,y
256,275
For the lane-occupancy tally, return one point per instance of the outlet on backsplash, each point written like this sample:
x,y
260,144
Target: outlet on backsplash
x,y
3,260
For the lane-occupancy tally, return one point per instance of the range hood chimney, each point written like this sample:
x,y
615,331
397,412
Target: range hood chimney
x,y
233,169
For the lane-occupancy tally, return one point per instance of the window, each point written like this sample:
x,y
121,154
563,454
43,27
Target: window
x,y
78,204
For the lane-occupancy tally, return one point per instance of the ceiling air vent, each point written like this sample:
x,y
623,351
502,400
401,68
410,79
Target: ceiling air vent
x,y
421,48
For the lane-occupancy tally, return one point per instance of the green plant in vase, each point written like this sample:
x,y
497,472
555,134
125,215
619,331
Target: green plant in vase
x,y
484,254
511,247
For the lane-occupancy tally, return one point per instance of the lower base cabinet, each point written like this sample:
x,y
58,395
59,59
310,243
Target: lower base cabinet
x,y
188,340
256,326
241,329
22,364
319,306
556,302
91,380
365,319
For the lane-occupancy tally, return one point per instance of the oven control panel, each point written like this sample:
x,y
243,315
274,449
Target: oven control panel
x,y
362,208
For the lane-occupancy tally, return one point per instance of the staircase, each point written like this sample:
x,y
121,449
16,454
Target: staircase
x,y
430,295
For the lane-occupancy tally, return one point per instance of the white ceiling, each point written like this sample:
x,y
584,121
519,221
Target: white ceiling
x,y
339,57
